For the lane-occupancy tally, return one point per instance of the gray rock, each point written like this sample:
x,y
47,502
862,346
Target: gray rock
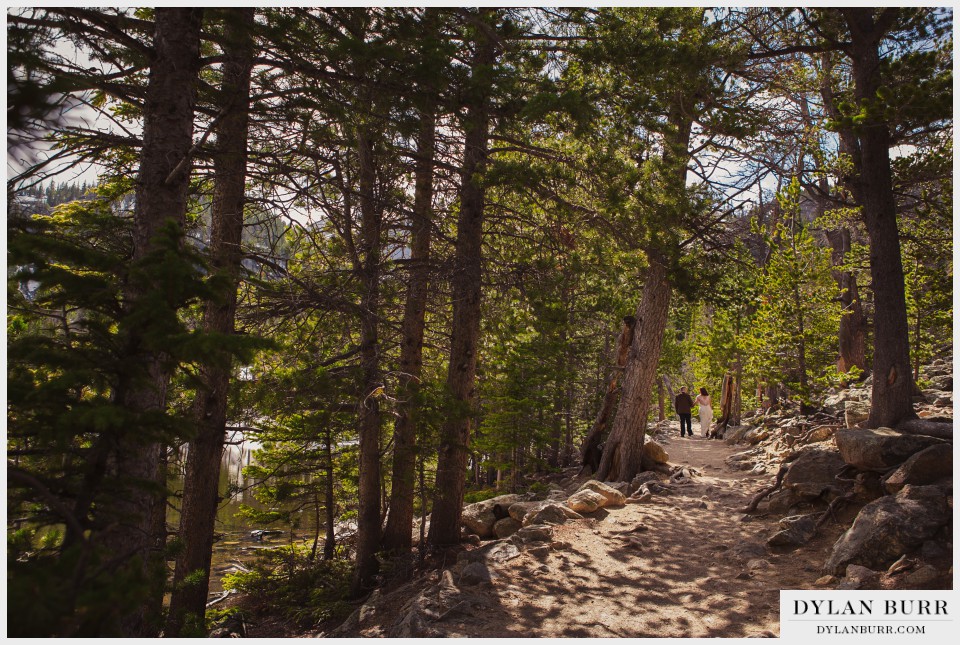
x,y
539,552
925,467
520,510
925,576
813,472
611,496
643,478
889,527
549,514
747,551
654,452
506,527
796,531
735,435
474,573
857,577
855,412
479,518
495,552
880,449
585,501
534,533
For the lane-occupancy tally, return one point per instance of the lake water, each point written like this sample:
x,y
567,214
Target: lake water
x,y
237,549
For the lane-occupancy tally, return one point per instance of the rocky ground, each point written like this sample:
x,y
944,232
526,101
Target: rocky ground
x,y
702,547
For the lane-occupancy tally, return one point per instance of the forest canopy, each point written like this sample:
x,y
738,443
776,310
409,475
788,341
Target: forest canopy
x,y
420,255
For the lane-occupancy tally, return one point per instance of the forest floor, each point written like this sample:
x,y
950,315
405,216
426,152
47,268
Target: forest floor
x,y
690,564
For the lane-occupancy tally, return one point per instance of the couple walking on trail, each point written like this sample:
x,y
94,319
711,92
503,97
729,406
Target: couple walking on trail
x,y
683,404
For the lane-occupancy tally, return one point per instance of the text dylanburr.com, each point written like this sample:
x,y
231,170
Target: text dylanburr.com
x,y
842,614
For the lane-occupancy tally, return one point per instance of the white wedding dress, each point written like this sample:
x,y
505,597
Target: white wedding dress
x,y
706,414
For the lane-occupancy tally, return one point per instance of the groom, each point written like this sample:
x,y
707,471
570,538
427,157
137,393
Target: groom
x,y
683,404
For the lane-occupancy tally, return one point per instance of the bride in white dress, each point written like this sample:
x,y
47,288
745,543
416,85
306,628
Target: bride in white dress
x,y
706,410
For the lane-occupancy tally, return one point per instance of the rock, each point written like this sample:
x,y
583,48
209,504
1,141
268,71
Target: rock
x,y
471,538
813,472
654,452
520,510
855,412
746,551
758,564
622,487
474,573
585,501
783,500
820,434
506,527
557,495
933,550
655,488
643,478
499,551
924,467
889,527
549,514
756,435
534,533
611,496
796,531
858,577
643,498
824,581
922,578
735,435
539,552
479,518
880,449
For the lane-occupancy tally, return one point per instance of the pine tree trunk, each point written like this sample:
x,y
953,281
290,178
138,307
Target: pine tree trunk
x,y
891,398
461,373
167,134
623,450
205,451
368,520
397,536
590,452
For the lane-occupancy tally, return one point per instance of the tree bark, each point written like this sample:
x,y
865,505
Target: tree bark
x,y
205,451
466,292
397,536
368,520
891,397
622,454
853,323
161,195
590,452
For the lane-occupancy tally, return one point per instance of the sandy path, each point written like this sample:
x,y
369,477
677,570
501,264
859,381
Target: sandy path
x,y
683,565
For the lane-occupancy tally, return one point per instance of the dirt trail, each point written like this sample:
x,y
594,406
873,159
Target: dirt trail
x,y
683,565
686,564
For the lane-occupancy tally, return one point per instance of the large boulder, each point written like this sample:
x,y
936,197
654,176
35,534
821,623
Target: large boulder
x,y
506,527
549,514
855,412
925,467
585,501
611,496
813,472
795,530
479,518
654,452
880,449
520,510
890,526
